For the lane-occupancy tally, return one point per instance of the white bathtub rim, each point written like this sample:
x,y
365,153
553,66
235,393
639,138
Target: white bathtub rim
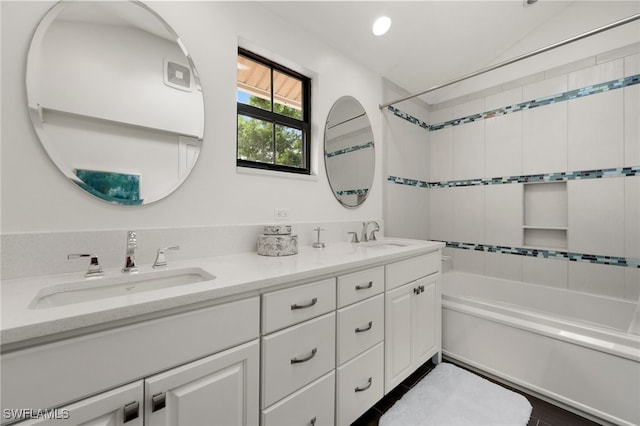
x,y
541,393
546,326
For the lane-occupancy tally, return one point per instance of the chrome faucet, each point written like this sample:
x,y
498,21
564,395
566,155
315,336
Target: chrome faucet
x,y
372,236
130,260
94,266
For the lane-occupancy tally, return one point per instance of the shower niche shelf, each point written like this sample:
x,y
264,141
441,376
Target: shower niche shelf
x,y
545,215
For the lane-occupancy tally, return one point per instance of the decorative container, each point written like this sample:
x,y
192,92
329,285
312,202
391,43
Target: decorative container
x,y
277,230
277,245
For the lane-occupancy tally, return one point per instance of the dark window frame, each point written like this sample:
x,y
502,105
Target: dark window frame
x,y
303,125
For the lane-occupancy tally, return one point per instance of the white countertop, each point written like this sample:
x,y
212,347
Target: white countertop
x,y
235,274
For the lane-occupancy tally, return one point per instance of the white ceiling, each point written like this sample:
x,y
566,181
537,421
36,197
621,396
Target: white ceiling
x,y
432,42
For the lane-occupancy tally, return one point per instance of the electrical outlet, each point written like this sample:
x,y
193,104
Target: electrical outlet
x,y
281,214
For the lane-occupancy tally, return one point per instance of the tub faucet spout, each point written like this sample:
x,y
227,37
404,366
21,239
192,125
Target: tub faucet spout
x,y
130,259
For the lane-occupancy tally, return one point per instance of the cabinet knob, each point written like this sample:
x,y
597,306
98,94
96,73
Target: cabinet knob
x,y
158,402
313,421
131,411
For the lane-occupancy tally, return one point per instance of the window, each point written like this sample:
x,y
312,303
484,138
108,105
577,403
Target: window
x,y
273,116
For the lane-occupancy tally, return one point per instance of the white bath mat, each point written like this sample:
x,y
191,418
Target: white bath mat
x,y
451,396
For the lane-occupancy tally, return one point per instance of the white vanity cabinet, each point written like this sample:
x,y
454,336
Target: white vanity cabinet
x,y
221,389
120,406
412,316
298,354
190,362
360,336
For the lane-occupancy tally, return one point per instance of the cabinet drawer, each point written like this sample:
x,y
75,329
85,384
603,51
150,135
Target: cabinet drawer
x,y
359,385
360,326
314,401
290,306
296,356
405,271
360,285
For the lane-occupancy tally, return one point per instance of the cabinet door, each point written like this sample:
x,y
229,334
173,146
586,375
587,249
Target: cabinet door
x,y
218,390
398,325
121,406
424,323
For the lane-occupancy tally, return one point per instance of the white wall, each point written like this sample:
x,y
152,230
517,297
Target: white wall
x,y
36,197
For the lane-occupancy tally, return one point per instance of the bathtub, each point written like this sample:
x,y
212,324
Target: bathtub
x,y
577,350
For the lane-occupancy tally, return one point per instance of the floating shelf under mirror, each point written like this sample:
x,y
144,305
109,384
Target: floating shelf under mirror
x,y
545,215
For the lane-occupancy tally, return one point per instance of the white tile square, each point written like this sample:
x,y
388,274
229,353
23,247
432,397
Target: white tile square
x,y
407,208
503,146
503,99
469,108
470,261
441,115
595,131
468,214
505,266
544,88
631,126
551,272
596,216
596,74
468,150
441,213
544,139
406,143
441,158
503,214
594,278
632,284
632,216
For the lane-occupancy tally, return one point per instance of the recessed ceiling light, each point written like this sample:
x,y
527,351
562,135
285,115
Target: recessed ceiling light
x,y
381,25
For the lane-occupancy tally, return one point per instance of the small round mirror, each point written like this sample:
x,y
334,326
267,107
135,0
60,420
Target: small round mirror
x,y
349,151
115,99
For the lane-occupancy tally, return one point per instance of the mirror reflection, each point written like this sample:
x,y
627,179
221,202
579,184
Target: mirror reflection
x,y
349,151
115,99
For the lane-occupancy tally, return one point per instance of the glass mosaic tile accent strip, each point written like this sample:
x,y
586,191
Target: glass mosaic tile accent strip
x,y
548,100
548,254
353,192
349,149
548,177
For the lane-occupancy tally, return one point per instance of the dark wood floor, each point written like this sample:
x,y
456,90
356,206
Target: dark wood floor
x,y
543,413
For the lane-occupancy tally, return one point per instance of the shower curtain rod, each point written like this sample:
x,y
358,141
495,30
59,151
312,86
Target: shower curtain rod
x,y
519,58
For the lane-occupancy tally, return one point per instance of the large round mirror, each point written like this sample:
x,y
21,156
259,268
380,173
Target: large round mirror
x,y
349,151
115,99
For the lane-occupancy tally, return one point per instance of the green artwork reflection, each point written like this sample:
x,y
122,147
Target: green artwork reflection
x,y
119,188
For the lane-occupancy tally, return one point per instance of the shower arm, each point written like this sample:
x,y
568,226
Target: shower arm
x,y
518,58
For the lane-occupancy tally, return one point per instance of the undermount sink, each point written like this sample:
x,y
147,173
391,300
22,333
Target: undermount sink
x,y
102,288
384,244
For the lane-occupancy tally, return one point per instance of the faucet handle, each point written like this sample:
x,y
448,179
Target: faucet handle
x,y
161,260
95,270
354,238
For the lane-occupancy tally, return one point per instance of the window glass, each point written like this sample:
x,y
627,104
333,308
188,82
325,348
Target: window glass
x,y
273,116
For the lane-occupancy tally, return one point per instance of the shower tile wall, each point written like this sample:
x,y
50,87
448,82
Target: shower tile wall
x,y
569,134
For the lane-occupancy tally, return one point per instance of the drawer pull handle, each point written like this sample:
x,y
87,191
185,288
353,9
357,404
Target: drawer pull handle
x,y
367,328
365,287
305,359
158,402
313,422
365,387
308,305
131,411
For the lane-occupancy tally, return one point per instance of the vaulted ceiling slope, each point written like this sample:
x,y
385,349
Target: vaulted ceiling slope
x,y
431,42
